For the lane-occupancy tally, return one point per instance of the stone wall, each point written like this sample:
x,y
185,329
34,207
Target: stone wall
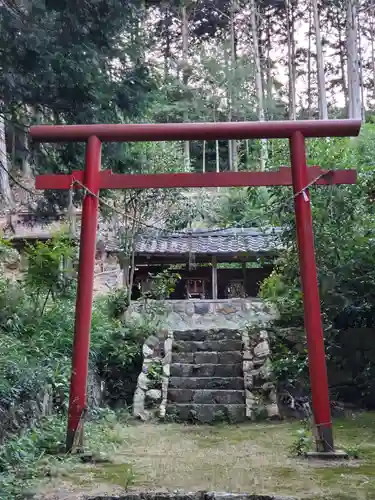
x,y
260,388
150,397
209,314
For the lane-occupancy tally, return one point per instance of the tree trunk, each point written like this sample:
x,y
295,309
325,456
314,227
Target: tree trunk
x,y
372,34
26,168
204,157
185,76
258,81
132,270
233,156
309,72
167,48
139,35
268,66
322,96
361,82
355,110
291,59
217,150
342,66
5,190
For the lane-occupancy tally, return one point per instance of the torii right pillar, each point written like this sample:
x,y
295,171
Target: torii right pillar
x,y
311,300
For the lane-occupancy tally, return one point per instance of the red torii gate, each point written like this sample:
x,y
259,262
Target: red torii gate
x,y
299,176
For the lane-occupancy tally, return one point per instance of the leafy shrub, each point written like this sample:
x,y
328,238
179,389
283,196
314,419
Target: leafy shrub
x,y
302,443
46,273
155,371
27,449
155,374
117,303
289,367
118,355
162,285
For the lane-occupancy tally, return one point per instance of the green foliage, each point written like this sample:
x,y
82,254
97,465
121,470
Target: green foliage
x,y
39,451
117,303
4,246
289,301
46,272
302,443
24,458
344,226
163,284
354,451
36,349
288,366
26,450
36,355
155,372
117,353
74,64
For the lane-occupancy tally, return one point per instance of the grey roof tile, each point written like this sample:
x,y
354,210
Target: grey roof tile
x,y
214,242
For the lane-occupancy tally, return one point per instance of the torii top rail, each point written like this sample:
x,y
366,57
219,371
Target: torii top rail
x,y
195,131
300,176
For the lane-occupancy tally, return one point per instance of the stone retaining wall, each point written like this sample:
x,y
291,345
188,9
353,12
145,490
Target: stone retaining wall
x,y
150,397
208,314
260,389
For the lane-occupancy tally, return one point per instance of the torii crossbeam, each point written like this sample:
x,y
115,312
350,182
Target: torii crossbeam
x,y
299,176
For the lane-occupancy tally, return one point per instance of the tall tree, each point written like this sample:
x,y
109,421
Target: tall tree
x,y
290,6
232,67
5,190
354,84
185,72
322,97
258,79
309,66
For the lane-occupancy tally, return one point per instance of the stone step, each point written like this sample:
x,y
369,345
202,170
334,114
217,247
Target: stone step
x,y
207,345
206,413
199,358
201,335
206,396
206,370
233,383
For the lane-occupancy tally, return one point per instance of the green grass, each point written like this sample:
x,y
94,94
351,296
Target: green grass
x,y
251,458
118,474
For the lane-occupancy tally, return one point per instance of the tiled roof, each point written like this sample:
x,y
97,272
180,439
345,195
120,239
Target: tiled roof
x,y
164,243
211,242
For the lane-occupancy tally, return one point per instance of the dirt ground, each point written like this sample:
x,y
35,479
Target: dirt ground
x,y
251,458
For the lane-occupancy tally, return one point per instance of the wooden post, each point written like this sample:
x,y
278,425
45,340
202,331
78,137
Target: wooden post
x,y
81,342
311,299
214,278
244,275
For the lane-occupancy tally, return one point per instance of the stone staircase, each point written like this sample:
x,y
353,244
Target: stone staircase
x,y
206,382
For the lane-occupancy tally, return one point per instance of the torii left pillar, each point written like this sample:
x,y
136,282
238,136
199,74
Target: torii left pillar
x,y
81,341
299,176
